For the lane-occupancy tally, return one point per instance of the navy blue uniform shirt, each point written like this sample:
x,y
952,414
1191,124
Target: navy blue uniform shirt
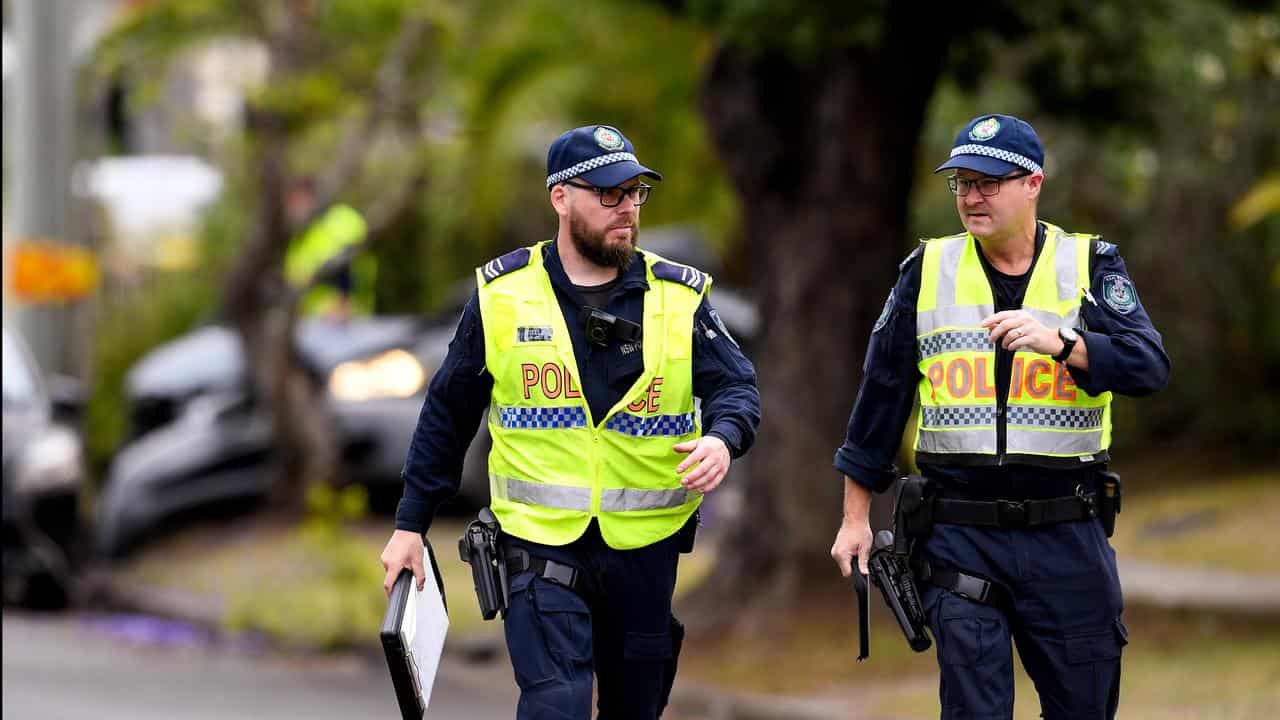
x,y
723,379
1126,356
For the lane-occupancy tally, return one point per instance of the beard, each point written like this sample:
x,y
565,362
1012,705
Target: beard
x,y
594,245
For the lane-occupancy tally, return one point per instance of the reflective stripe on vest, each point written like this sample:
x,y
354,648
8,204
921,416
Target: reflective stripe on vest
x,y
1046,414
553,467
566,497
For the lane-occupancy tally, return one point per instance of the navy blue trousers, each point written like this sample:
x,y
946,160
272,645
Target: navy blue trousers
x,y
1064,620
621,629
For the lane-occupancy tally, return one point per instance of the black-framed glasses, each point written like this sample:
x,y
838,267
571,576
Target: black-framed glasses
x,y
612,196
987,186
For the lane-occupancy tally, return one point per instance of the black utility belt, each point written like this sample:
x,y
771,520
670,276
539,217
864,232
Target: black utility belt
x,y
1015,514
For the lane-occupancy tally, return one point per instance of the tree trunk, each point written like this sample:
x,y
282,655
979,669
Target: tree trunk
x,y
823,157
262,308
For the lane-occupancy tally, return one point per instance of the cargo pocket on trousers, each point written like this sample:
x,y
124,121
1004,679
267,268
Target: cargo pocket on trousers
x,y
565,621
647,647
1094,660
529,658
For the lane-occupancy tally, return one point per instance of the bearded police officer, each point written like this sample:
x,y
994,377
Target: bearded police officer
x,y
589,354
1014,335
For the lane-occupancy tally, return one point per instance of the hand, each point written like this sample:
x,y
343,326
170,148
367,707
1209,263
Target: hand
x,y
403,550
711,456
854,538
1018,330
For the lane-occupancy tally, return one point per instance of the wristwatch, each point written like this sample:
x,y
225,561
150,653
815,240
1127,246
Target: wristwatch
x,y
1069,339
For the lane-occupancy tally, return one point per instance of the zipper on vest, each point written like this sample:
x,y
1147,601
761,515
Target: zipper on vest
x,y
1002,407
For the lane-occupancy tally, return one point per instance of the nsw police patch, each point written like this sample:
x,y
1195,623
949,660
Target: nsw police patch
x,y
1119,293
884,314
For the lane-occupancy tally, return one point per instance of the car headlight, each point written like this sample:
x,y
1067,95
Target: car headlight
x,y
395,373
51,463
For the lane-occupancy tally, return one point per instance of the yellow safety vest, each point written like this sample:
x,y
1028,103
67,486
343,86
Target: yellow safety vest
x,y
339,227
553,467
1046,415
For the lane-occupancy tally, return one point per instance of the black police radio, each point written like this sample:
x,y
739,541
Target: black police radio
x,y
602,327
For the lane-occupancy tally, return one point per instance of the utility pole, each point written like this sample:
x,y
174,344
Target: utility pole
x,y
40,150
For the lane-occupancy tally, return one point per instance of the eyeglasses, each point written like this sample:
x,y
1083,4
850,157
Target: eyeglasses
x,y
612,196
987,186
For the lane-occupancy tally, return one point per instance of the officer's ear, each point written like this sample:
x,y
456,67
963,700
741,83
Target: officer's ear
x,y
560,199
1034,182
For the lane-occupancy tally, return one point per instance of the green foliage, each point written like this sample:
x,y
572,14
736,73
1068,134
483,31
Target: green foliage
x,y
333,603
128,326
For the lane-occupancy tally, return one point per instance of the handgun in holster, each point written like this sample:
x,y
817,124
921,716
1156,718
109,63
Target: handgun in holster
x,y
891,572
1110,491
480,547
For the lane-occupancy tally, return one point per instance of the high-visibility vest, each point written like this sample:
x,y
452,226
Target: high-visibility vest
x,y
553,466
1047,415
338,228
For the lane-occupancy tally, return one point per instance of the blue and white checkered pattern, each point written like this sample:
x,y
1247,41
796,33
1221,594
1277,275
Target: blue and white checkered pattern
x,y
1055,417
958,416
1021,161
652,425
574,171
542,418
952,341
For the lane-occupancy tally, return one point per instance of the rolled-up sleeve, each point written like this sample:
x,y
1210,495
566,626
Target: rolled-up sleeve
x,y
887,393
1126,353
456,399
725,380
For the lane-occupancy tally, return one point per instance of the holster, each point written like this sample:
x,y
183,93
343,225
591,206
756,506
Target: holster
x,y
892,573
480,547
1109,494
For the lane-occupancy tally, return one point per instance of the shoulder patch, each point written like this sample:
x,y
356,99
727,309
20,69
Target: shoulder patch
x,y
1102,247
683,274
1119,294
500,266
902,266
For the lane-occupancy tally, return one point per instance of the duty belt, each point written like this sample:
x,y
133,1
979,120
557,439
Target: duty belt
x,y
1015,514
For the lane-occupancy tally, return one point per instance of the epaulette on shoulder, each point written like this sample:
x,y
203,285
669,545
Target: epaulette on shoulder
x,y
1102,247
683,274
902,266
500,266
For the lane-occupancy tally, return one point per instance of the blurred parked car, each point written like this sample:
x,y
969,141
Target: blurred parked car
x,y
44,474
198,441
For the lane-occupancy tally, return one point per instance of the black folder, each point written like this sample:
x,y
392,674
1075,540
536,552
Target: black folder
x,y
405,674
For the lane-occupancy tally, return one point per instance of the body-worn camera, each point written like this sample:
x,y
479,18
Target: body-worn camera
x,y
480,547
602,327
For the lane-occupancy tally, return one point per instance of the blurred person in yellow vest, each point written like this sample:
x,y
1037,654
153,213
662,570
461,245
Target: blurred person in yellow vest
x,y
349,289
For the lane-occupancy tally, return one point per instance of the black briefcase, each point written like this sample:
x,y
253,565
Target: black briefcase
x,y
396,633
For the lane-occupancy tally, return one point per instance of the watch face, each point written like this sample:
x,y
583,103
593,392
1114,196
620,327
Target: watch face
x,y
1069,334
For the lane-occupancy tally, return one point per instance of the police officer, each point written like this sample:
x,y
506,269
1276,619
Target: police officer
x,y
349,290
589,353
1014,335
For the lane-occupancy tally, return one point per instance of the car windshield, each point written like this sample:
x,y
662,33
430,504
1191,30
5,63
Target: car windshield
x,y
20,384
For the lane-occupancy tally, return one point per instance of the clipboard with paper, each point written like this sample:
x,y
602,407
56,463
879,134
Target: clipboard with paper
x,y
413,632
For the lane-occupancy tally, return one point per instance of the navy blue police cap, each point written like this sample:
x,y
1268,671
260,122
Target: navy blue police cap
x,y
599,154
996,145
